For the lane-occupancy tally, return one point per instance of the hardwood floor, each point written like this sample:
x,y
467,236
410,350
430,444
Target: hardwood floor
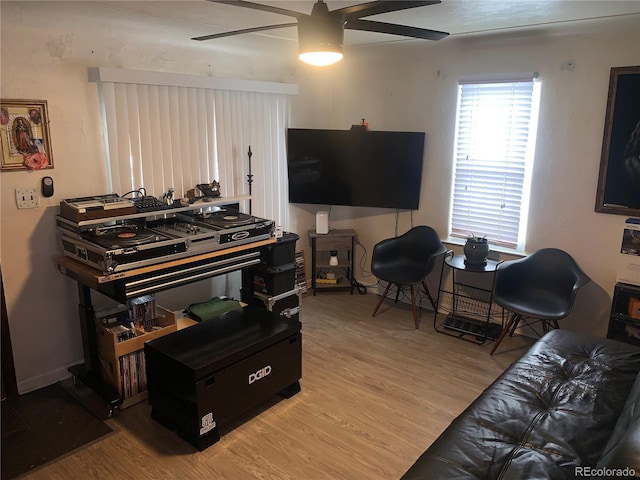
x,y
375,393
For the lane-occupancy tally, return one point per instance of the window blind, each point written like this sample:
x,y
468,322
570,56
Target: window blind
x,y
166,135
495,137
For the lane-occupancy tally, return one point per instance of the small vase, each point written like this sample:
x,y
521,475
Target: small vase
x,y
476,252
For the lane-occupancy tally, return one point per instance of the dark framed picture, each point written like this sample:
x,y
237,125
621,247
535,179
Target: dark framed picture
x,y
24,135
619,180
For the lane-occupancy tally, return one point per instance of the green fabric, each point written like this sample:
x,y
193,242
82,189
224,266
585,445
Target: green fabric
x,y
212,308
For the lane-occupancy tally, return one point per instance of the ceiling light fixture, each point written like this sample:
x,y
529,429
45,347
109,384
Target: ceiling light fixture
x,y
320,37
321,33
320,59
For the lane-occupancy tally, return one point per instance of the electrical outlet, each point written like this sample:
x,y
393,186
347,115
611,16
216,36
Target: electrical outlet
x,y
27,198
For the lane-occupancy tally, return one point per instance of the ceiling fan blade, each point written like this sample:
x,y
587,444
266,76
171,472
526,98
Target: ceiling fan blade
x,y
244,30
264,8
378,7
393,29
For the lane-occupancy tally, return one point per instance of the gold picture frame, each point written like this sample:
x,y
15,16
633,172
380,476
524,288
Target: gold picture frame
x,y
619,178
24,135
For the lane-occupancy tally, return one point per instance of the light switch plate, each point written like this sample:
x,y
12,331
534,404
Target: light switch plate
x,y
27,198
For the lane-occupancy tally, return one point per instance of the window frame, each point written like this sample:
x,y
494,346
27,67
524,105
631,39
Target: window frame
x,y
517,245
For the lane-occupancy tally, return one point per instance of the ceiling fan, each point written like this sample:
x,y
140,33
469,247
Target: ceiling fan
x,y
321,33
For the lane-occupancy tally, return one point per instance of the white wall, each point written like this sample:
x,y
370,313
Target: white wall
x,y
46,50
413,86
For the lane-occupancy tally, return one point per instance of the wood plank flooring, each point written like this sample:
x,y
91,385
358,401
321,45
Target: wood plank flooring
x,y
375,394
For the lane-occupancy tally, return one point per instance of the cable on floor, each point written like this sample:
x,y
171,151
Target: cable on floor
x,y
362,290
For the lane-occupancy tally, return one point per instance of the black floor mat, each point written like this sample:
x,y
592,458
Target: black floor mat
x,y
44,425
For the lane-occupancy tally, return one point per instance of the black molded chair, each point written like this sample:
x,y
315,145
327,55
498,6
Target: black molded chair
x,y
539,288
406,261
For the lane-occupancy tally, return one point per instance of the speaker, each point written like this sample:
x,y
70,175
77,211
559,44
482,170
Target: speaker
x,y
322,222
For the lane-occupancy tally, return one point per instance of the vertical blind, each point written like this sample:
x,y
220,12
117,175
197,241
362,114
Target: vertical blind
x,y
161,136
495,137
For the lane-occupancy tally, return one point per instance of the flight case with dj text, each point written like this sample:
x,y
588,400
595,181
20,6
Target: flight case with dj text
x,y
200,379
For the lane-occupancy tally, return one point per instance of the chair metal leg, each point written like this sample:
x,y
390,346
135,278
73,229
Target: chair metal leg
x,y
515,317
413,305
426,290
398,288
548,325
384,295
515,325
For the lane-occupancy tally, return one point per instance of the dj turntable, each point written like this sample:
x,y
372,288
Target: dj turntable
x,y
126,235
122,244
233,226
122,248
225,218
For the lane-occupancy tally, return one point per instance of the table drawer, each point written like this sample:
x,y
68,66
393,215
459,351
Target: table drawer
x,y
333,243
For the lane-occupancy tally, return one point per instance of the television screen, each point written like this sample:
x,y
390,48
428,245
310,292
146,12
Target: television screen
x,y
355,167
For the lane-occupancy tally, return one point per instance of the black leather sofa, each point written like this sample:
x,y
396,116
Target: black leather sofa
x,y
568,408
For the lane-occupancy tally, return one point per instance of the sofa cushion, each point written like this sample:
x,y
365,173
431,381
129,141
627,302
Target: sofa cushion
x,y
552,410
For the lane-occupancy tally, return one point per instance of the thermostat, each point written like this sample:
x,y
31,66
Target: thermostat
x,y
47,186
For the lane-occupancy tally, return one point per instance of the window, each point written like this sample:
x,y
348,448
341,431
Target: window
x,y
494,146
170,130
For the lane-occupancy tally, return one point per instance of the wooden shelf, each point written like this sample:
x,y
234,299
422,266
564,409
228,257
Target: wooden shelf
x,y
113,354
343,243
198,205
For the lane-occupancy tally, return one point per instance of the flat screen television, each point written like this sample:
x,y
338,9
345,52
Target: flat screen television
x,y
355,167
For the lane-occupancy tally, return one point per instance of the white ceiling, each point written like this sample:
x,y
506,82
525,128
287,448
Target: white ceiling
x,y
191,18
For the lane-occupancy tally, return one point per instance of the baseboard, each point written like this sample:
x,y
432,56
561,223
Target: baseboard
x,y
44,380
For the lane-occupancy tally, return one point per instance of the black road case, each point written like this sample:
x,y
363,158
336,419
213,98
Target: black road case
x,y
203,377
280,253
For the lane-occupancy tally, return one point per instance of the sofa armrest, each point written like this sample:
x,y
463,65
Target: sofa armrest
x,y
623,449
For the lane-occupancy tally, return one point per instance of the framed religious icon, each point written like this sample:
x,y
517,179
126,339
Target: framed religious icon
x,y
619,181
24,135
